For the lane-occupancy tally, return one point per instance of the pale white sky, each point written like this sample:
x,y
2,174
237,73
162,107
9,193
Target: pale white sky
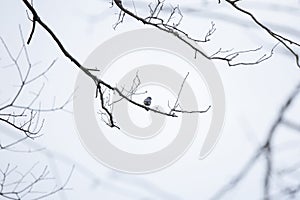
x,y
253,97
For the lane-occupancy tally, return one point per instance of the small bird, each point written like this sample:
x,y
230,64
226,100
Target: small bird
x,y
147,101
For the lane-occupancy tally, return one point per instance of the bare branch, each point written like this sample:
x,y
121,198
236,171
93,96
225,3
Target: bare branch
x,y
26,184
25,118
266,150
184,37
98,82
281,39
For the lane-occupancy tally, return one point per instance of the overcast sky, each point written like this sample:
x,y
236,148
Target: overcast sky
x,y
253,96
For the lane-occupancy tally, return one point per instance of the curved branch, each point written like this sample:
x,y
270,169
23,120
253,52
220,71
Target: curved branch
x,y
281,39
98,82
184,37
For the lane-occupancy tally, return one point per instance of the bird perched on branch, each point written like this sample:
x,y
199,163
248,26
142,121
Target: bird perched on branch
x,y
147,101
